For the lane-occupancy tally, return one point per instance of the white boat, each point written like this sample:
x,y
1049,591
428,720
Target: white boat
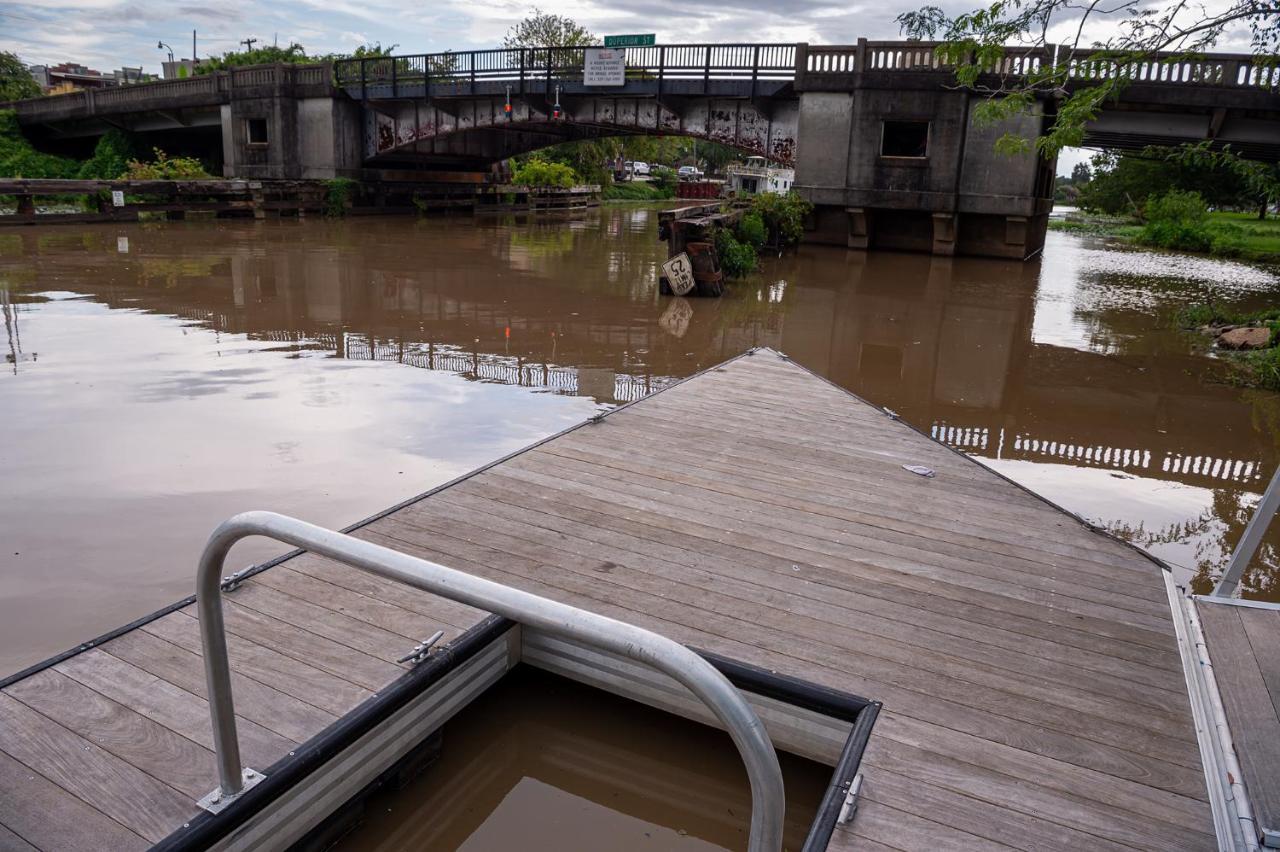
x,y
756,176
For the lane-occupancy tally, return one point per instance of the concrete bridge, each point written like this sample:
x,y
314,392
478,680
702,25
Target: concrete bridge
x,y
882,141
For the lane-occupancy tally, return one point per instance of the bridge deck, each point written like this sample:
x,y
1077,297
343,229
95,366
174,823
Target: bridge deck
x,y
1033,695
1244,646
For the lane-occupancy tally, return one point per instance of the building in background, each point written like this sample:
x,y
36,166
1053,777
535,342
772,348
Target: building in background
x,y
72,77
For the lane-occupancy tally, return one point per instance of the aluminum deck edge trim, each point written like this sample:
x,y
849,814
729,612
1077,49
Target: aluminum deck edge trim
x,y
1233,821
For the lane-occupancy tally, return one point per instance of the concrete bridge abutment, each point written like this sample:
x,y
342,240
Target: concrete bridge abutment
x,y
894,160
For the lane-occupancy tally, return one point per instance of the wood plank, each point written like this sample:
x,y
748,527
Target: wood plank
x,y
723,459
256,702
411,626
879,594
975,816
933,699
1046,592
1262,626
159,752
434,607
121,791
177,709
266,665
855,574
1251,714
903,645
761,505
884,824
884,616
10,842
33,806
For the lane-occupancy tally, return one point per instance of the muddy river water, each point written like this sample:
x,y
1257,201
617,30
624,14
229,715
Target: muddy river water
x,y
158,378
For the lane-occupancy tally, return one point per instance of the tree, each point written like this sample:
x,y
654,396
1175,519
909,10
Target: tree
x,y
1080,174
979,40
294,53
16,81
543,30
1122,182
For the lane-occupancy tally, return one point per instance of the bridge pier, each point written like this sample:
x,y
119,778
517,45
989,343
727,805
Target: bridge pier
x,y
891,159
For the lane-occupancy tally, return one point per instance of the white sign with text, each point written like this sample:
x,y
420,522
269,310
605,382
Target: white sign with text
x,y
679,272
117,198
604,66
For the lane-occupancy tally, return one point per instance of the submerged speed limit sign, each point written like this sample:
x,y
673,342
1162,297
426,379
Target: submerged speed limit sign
x,y
679,272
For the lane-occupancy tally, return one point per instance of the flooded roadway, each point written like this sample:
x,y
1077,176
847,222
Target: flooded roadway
x,y
158,378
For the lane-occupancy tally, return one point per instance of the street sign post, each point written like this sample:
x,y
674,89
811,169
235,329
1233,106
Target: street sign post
x,y
647,40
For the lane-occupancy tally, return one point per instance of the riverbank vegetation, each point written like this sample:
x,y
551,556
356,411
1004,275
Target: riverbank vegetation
x,y
772,222
1249,341
1186,199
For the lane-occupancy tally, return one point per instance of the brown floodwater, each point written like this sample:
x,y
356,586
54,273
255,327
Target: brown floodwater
x,y
160,377
542,764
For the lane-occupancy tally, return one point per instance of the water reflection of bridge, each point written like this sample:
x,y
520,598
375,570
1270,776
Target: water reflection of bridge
x,y
1207,471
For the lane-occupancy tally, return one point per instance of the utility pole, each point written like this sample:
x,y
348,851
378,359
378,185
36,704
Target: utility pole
x,y
248,44
193,49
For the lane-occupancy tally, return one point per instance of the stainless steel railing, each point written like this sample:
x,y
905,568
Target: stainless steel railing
x,y
1253,534
701,678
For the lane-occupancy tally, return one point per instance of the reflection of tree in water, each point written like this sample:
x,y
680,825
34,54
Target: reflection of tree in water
x,y
543,242
1213,534
171,271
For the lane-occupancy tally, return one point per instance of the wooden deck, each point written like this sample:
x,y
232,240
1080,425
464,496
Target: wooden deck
x,y
1033,693
1244,647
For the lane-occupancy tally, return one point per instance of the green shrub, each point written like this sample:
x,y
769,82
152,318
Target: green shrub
x,y
784,216
166,168
751,230
19,160
540,173
111,156
636,191
337,193
1177,220
736,258
666,179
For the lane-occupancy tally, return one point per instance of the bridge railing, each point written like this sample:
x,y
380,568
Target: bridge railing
x,y
164,94
534,68
1220,69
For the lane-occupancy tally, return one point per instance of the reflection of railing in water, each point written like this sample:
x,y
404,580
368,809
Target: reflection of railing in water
x,y
505,369
1173,464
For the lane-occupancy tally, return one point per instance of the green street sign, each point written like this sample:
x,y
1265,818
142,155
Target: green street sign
x,y
629,40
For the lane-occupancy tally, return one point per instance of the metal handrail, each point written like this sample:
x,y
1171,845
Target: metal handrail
x,y
607,634
1250,540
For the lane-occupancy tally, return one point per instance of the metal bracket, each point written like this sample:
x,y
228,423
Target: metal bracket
x,y
850,806
215,802
231,582
422,650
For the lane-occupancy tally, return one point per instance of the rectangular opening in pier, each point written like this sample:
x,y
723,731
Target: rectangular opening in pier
x,y
542,763
552,744
257,131
905,139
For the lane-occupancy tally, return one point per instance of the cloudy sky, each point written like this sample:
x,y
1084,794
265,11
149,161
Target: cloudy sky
x,y
106,34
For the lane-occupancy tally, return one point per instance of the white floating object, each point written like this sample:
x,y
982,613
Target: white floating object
x,y
918,469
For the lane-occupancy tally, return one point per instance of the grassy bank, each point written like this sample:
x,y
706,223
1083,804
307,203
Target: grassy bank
x,y
1255,368
1234,235
637,191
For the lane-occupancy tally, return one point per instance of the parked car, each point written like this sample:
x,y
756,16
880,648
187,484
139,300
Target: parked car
x,y
689,173
640,168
